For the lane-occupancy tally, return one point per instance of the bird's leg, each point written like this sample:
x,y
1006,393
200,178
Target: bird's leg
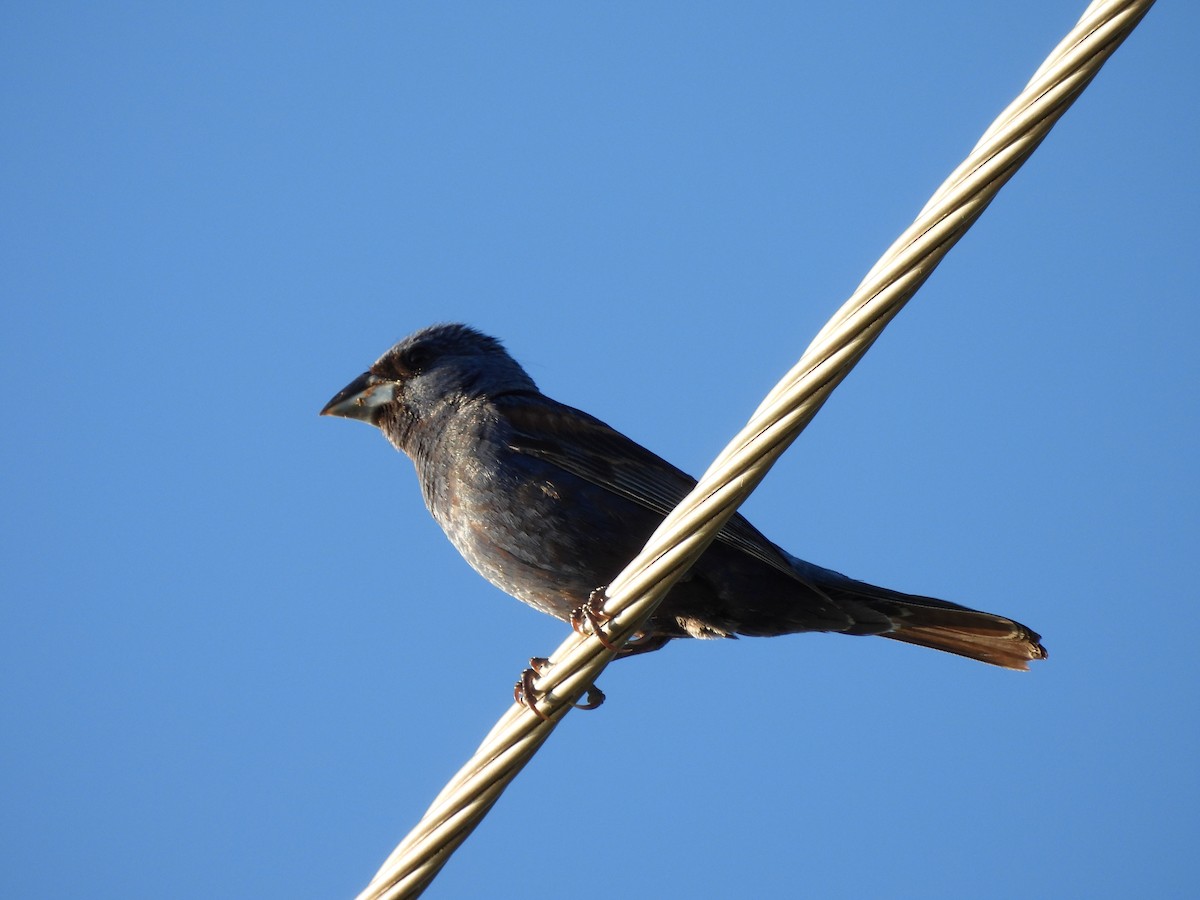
x,y
592,615
643,643
526,695
590,619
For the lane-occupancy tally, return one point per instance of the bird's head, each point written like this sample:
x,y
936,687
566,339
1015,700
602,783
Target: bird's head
x,y
429,372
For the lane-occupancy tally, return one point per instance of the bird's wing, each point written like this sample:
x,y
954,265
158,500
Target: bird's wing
x,y
591,450
584,446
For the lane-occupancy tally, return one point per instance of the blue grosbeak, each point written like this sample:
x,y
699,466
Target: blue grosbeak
x,y
548,503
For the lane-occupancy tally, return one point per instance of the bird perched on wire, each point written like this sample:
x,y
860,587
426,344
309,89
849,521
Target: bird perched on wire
x,y
548,503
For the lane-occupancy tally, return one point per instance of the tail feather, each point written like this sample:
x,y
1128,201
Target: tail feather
x,y
941,625
1013,649
978,635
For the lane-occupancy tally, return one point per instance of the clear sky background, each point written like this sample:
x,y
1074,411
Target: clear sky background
x,y
239,659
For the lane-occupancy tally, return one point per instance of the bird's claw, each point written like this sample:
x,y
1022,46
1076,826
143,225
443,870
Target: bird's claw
x,y
590,618
523,691
527,696
595,698
643,642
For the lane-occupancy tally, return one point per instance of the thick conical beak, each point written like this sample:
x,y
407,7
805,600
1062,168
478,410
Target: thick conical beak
x,y
362,399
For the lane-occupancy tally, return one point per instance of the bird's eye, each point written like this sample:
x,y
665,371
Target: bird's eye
x,y
416,359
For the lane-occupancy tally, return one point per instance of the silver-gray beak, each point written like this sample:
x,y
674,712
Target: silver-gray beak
x,y
362,399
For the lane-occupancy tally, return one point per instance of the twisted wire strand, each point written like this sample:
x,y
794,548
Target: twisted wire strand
x,y
738,469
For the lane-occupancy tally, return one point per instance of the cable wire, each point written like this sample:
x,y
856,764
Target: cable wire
x,y
783,414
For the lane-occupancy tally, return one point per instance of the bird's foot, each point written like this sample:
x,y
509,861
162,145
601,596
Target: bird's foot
x,y
590,618
523,691
642,642
595,698
527,696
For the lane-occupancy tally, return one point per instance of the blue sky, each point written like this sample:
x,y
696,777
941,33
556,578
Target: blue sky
x,y
239,659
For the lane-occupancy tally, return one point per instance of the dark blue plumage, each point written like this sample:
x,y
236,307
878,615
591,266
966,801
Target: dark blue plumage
x,y
549,503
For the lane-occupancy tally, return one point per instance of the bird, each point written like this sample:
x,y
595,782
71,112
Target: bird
x,y
549,504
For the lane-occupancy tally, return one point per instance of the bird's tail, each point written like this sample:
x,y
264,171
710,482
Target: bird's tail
x,y
956,629
928,622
